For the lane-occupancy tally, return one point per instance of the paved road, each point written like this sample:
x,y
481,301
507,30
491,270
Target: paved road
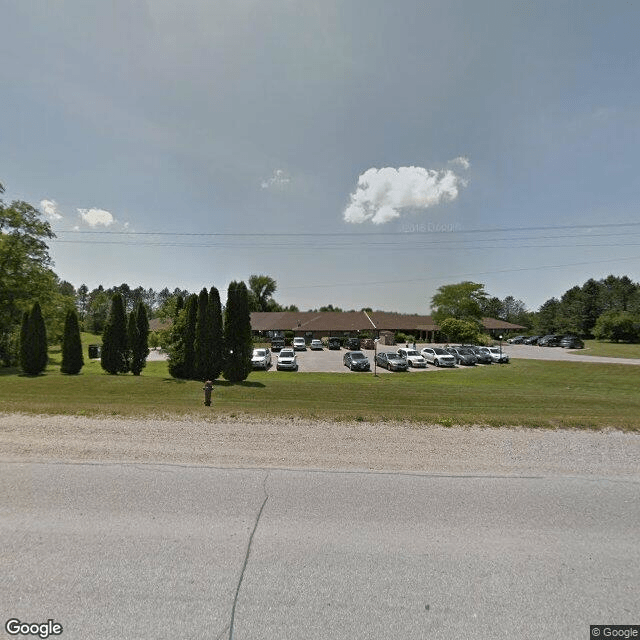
x,y
122,552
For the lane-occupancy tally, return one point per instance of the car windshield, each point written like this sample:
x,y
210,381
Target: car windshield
x,y
440,352
411,352
357,356
286,353
393,356
494,349
259,353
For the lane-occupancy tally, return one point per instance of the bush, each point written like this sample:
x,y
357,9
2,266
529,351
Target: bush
x,y
617,326
464,331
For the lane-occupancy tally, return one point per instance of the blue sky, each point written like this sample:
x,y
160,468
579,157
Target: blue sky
x,y
361,153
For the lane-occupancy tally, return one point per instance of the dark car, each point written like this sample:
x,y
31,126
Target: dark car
x,y
532,340
391,361
552,340
463,355
482,353
356,361
571,342
277,344
334,343
353,344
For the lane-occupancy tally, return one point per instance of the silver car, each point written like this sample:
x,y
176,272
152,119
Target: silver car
x,y
261,359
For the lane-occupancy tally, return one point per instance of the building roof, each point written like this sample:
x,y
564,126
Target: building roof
x,y
347,321
354,321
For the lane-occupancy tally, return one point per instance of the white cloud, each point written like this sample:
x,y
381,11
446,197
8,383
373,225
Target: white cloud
x,y
95,217
382,194
278,179
462,161
50,209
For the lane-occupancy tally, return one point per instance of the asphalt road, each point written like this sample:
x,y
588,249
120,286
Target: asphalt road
x,y
125,551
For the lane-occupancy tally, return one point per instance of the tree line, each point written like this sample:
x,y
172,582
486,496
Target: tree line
x,y
606,309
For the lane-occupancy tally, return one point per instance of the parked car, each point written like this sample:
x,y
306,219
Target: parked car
x,y
482,353
463,356
356,361
552,340
532,340
299,344
516,339
316,345
571,342
392,361
438,357
261,359
277,344
287,360
334,343
353,344
498,355
413,358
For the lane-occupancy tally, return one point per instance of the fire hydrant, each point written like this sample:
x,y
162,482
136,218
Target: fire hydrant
x,y
208,386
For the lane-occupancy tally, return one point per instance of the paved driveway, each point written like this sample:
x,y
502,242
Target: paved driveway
x,y
331,361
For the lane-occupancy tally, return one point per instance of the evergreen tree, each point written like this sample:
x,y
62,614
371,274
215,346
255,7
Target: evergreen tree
x,y
25,346
217,336
33,342
191,320
182,348
72,360
115,348
138,333
203,346
175,348
237,334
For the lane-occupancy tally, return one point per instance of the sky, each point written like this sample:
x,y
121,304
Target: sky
x,y
361,153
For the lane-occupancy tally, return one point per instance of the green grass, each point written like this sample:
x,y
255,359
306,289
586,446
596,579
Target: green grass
x,y
610,349
527,392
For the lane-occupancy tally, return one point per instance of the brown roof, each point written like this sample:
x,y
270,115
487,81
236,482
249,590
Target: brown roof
x,y
354,321
494,323
309,321
345,321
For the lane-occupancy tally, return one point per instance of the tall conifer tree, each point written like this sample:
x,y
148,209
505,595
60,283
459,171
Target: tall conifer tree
x,y
203,344
189,336
138,330
33,342
72,360
115,348
217,336
237,334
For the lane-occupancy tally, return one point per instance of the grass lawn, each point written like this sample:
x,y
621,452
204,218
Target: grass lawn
x,y
610,349
526,392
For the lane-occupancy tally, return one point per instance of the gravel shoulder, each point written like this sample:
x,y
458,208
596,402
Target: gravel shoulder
x,y
251,442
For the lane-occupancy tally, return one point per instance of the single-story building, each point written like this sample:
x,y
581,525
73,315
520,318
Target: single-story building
x,y
320,324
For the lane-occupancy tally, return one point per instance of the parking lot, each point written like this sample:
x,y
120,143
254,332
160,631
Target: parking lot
x,y
330,361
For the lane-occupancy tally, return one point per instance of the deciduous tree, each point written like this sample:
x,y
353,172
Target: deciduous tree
x,y
463,301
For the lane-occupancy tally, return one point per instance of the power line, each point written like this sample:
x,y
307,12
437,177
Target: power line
x,y
415,229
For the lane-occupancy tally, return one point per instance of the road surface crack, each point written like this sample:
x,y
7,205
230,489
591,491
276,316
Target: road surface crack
x,y
246,557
